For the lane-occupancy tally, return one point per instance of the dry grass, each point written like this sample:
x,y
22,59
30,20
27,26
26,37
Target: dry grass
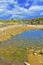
x,y
8,33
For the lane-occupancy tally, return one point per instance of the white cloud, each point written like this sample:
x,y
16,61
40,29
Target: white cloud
x,y
1,10
21,12
6,0
36,8
17,11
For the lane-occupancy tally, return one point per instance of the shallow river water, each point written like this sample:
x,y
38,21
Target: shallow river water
x,y
27,38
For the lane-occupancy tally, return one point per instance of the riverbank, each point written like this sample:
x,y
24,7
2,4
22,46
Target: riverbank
x,y
12,30
35,56
10,55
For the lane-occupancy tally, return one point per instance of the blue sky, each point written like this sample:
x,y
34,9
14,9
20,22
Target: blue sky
x,y
21,9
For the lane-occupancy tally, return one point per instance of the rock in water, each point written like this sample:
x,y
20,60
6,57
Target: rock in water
x,y
26,63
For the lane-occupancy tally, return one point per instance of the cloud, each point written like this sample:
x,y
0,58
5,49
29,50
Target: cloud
x,y
11,9
6,0
36,8
34,11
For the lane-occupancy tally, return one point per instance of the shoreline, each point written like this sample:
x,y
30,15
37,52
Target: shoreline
x,y
12,30
31,26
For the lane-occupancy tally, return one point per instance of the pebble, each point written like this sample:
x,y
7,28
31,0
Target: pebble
x,y
26,63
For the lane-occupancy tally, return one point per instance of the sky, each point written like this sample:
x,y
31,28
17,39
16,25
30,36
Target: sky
x,y
21,9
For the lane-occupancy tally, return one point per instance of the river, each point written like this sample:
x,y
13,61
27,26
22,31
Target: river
x,y
27,38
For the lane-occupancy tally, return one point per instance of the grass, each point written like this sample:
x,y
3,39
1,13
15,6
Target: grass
x,y
10,32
